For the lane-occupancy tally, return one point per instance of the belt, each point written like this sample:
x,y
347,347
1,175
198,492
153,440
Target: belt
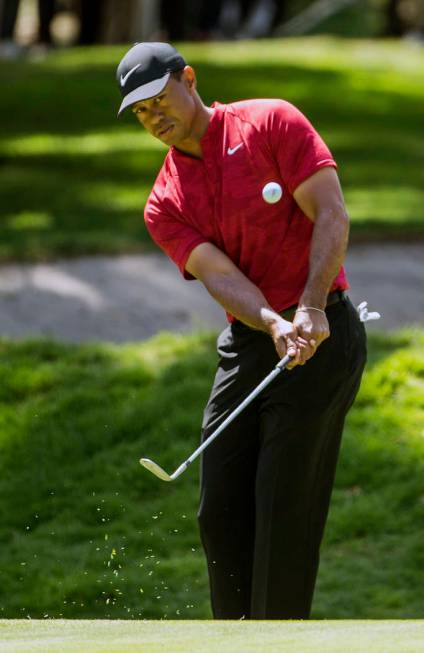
x,y
333,298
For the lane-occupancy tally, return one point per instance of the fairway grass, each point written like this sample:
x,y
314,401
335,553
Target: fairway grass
x,y
61,636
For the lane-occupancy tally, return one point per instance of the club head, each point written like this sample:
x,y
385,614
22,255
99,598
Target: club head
x,y
155,469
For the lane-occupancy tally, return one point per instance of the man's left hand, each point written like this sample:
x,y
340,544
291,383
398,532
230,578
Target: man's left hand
x,y
312,327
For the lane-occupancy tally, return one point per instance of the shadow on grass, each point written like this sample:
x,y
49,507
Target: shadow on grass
x,y
86,532
64,203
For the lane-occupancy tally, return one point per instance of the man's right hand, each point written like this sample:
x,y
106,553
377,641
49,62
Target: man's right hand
x,y
287,341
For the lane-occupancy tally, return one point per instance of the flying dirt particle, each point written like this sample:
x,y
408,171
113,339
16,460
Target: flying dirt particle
x,y
106,536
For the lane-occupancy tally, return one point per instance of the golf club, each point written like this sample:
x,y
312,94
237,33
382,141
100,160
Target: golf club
x,y
160,473
153,467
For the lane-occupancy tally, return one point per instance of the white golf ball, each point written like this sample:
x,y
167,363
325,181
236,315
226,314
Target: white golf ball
x,y
272,192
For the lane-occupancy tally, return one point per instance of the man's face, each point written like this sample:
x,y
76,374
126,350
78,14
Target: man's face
x,y
169,115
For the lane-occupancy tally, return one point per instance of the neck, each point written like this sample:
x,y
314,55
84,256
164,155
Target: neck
x,y
191,145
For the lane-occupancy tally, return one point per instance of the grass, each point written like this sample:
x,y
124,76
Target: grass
x,y
85,532
74,179
212,637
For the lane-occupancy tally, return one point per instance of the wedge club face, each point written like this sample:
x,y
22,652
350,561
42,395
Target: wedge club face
x,y
155,469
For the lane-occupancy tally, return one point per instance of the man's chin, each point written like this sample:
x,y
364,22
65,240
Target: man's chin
x,y
168,135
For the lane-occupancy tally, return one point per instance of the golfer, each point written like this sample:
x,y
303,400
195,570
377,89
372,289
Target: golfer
x,y
248,202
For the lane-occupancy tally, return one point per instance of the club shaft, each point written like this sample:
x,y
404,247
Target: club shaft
x,y
267,380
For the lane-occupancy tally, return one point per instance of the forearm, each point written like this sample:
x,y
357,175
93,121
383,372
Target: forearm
x,y
327,253
240,297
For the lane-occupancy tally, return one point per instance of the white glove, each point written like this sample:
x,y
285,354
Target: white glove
x,y
364,316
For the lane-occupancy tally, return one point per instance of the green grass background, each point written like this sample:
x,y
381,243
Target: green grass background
x,y
86,532
74,179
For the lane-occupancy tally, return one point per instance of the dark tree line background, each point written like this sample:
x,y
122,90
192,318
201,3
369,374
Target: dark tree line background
x,y
108,21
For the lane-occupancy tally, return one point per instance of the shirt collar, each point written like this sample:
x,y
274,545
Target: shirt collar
x,y
208,140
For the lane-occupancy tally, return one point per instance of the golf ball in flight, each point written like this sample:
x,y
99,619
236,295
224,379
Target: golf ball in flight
x,y
272,192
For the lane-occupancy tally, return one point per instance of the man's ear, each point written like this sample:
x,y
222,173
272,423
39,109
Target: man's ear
x,y
190,78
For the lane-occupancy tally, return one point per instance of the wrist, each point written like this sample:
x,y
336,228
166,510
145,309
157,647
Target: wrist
x,y
310,309
313,301
271,321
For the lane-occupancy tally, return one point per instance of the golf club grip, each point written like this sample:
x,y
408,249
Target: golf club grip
x,y
267,380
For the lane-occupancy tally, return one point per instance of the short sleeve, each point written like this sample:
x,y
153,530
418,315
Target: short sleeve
x,y
176,238
298,148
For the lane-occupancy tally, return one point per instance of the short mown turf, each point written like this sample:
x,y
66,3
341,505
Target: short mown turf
x,y
59,636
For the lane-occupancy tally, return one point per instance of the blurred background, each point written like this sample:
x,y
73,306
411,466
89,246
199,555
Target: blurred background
x,y
49,23
106,355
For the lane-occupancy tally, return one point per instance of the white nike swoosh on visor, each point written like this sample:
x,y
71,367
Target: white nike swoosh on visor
x,y
130,72
231,150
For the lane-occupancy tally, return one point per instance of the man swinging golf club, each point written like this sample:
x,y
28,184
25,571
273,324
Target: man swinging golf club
x,y
248,201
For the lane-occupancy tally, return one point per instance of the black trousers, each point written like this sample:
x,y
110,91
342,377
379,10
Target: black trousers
x,y
266,481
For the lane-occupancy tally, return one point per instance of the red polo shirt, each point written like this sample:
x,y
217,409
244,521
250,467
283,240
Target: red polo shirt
x,y
218,199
